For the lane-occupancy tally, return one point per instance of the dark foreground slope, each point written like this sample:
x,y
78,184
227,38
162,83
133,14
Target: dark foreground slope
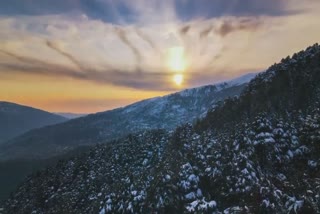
x,y
13,172
16,119
264,157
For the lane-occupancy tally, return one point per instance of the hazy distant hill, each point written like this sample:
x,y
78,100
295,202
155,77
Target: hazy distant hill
x,y
162,112
70,115
16,119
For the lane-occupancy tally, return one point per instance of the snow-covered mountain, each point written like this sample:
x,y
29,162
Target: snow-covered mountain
x,y
165,112
257,153
17,119
185,106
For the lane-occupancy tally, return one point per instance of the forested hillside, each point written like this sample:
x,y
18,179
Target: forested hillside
x,y
257,153
157,113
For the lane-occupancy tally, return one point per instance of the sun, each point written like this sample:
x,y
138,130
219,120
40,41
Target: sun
x,y
178,79
177,63
176,59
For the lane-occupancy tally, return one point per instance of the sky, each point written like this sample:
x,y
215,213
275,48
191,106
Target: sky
x,y
85,56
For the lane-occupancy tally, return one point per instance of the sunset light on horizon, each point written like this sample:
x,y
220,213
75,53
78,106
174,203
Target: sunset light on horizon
x,y
73,57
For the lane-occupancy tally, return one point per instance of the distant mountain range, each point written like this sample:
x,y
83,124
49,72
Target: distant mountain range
x,y
17,119
157,113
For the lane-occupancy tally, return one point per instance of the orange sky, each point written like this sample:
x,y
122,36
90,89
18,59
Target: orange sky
x,y
68,95
71,62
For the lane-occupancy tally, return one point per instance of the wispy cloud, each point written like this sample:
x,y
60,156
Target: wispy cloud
x,y
139,79
185,29
55,47
122,34
205,32
147,39
242,24
125,42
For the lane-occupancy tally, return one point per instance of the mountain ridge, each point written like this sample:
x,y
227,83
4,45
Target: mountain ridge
x,y
162,112
16,119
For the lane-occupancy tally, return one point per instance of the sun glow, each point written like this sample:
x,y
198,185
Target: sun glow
x,y
178,79
176,59
176,62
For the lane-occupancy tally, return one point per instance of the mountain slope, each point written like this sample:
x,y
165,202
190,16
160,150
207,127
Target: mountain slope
x,y
162,112
17,119
289,86
261,156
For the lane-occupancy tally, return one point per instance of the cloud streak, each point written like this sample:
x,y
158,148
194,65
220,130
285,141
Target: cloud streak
x,y
55,47
157,81
205,32
185,29
122,35
147,39
137,80
244,24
